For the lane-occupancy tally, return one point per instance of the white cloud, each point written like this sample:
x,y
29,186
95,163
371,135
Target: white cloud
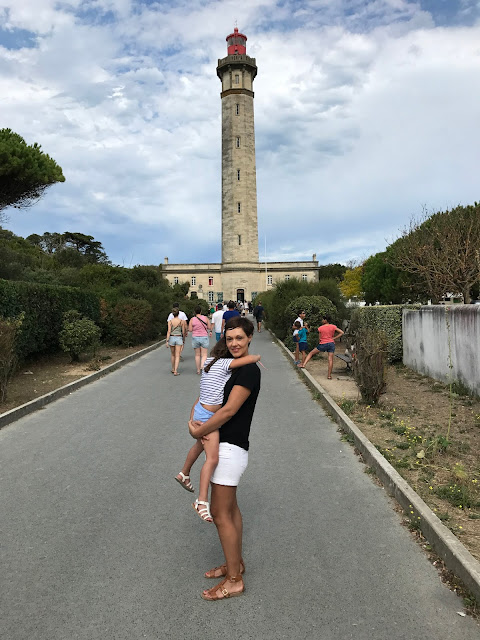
x,y
362,117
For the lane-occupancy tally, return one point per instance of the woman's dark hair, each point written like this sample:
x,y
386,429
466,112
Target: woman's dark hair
x,y
198,309
220,350
328,319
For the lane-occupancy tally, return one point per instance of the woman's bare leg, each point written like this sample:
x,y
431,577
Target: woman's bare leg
x,y
210,447
310,355
198,357
203,356
178,350
172,357
330,364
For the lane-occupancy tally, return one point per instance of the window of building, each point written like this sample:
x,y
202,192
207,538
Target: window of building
x,y
175,280
239,207
239,239
194,281
238,174
219,296
238,142
287,276
210,296
237,109
237,78
269,279
210,281
304,276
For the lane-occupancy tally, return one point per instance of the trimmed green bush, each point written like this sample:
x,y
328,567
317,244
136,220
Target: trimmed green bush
x,y
386,318
44,306
315,308
133,321
79,334
9,329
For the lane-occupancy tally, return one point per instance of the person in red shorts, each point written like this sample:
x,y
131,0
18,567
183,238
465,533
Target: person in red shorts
x,y
328,333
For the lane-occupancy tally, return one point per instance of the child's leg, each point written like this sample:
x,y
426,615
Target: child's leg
x,y
211,451
304,355
297,351
192,455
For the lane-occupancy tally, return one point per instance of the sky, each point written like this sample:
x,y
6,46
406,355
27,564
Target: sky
x,y
366,115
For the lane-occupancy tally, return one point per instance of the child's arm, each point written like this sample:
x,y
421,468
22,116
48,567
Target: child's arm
x,y
240,362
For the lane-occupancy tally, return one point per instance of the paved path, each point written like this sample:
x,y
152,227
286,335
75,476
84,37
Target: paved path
x,y
98,541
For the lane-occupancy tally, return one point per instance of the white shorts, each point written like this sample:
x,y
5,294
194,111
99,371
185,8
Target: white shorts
x,y
232,462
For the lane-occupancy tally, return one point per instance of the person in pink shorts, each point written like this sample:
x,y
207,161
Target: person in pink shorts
x,y
328,333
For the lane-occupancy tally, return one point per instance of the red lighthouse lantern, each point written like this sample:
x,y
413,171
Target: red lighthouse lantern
x,y
236,43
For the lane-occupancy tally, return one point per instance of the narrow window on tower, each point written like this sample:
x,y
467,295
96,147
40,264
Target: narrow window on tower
x,y
238,142
239,207
239,240
237,79
238,174
237,109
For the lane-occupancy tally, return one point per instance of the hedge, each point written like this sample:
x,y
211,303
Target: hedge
x,y
386,318
44,306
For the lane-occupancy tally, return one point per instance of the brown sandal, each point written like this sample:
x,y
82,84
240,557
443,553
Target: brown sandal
x,y
219,592
223,571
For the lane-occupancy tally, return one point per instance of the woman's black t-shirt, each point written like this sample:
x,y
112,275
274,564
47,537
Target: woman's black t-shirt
x,y
237,429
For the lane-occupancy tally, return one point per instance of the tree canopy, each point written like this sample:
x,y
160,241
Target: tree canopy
x,y
25,171
442,251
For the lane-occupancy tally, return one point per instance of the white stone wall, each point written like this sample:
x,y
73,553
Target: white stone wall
x,y
444,343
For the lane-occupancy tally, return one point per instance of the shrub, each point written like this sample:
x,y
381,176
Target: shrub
x,y
133,321
79,334
315,308
8,358
370,361
387,319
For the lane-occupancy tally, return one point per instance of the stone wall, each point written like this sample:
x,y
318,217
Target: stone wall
x,y
444,343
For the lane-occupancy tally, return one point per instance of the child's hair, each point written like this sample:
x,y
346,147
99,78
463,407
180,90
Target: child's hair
x,y
220,350
297,324
175,312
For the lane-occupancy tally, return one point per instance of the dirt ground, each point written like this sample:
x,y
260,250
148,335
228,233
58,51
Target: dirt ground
x,y
430,435
46,374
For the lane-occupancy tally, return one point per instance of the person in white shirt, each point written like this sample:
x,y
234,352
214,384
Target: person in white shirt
x,y
217,318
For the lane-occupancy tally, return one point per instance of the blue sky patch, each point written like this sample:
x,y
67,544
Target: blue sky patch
x,y
17,38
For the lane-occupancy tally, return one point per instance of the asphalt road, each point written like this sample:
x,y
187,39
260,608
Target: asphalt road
x,y
99,542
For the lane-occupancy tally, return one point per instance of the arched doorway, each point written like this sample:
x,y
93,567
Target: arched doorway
x,y
240,295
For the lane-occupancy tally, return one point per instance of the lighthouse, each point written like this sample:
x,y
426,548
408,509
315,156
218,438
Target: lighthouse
x,y
237,72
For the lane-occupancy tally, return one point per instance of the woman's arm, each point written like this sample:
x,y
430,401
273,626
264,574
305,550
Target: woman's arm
x,y
190,325
237,397
168,332
338,333
240,362
184,328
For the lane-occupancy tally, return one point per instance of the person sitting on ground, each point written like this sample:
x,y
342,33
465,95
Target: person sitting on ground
x,y
216,372
328,333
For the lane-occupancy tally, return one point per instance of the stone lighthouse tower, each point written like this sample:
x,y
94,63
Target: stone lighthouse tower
x,y
239,184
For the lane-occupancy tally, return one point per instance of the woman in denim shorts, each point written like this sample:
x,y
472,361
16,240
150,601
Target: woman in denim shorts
x,y
201,330
328,333
177,330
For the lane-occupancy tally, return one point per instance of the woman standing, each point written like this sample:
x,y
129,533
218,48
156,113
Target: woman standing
x,y
177,330
233,420
201,329
328,333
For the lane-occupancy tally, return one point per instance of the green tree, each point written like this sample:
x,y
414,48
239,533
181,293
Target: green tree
x,y
332,271
381,282
25,171
351,285
442,250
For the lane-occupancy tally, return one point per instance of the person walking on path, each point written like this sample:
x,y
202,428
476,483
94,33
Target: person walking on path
x,y
233,420
201,329
183,316
258,314
217,370
328,333
176,332
231,312
217,318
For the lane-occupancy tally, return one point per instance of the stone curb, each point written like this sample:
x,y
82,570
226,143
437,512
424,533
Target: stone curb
x,y
456,556
29,407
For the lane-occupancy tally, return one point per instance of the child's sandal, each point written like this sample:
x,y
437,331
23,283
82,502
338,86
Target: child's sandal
x,y
204,512
185,482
